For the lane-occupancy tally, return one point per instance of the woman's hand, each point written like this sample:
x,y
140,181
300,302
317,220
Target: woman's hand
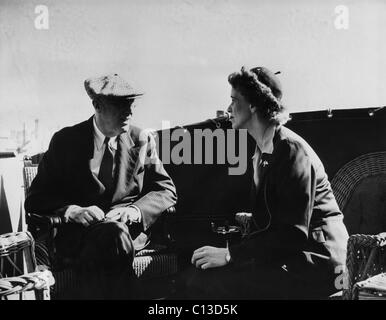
x,y
209,257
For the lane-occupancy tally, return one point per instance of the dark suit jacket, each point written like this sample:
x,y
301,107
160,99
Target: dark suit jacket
x,y
299,221
64,176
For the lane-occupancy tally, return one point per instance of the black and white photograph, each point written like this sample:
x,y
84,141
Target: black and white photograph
x,y
170,152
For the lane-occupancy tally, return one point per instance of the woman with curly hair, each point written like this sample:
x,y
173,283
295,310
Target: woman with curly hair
x,y
297,248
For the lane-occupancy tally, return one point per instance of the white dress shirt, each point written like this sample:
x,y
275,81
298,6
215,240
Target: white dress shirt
x,y
99,149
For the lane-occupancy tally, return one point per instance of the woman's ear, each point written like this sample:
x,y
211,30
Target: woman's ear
x,y
252,108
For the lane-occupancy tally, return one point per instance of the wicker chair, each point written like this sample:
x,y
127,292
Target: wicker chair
x,y
19,277
30,286
155,266
366,255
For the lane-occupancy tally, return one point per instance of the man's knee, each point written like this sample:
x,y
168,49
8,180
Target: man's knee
x,y
108,243
108,232
204,284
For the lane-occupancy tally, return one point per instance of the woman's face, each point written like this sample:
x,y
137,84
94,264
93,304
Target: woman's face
x,y
240,110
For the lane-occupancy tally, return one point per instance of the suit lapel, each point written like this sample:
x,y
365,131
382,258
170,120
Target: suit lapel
x,y
85,154
263,169
266,162
126,160
86,138
257,193
264,166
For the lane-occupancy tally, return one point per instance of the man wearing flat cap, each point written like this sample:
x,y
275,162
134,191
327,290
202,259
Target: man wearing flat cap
x,y
105,178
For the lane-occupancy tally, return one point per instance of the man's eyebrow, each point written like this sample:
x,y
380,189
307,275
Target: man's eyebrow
x,y
233,97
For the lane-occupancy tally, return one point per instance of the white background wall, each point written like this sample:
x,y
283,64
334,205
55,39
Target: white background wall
x,y
181,52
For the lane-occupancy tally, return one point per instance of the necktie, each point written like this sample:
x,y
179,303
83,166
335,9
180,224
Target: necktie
x,y
106,170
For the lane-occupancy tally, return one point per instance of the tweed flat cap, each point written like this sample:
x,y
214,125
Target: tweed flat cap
x,y
110,86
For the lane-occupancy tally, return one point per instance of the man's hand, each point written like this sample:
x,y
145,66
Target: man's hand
x,y
83,215
209,257
124,214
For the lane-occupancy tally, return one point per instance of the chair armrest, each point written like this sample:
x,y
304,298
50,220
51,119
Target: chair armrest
x,y
366,240
39,280
163,226
364,259
55,220
170,210
50,221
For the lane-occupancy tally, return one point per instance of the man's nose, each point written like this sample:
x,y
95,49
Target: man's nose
x,y
128,112
229,109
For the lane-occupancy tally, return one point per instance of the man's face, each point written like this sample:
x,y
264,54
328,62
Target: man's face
x,y
117,113
240,110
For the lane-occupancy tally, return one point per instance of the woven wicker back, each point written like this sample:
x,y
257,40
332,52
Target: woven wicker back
x,y
366,257
29,173
351,174
365,253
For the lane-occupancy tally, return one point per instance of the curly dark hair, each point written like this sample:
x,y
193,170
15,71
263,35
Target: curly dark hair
x,y
259,95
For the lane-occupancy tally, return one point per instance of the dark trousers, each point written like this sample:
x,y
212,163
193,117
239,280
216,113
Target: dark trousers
x,y
248,282
103,256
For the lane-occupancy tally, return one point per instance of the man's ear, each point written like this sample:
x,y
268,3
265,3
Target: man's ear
x,y
96,105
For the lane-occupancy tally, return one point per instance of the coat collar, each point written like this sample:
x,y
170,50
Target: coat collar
x,y
86,136
266,144
86,133
126,156
258,195
99,138
268,154
267,158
